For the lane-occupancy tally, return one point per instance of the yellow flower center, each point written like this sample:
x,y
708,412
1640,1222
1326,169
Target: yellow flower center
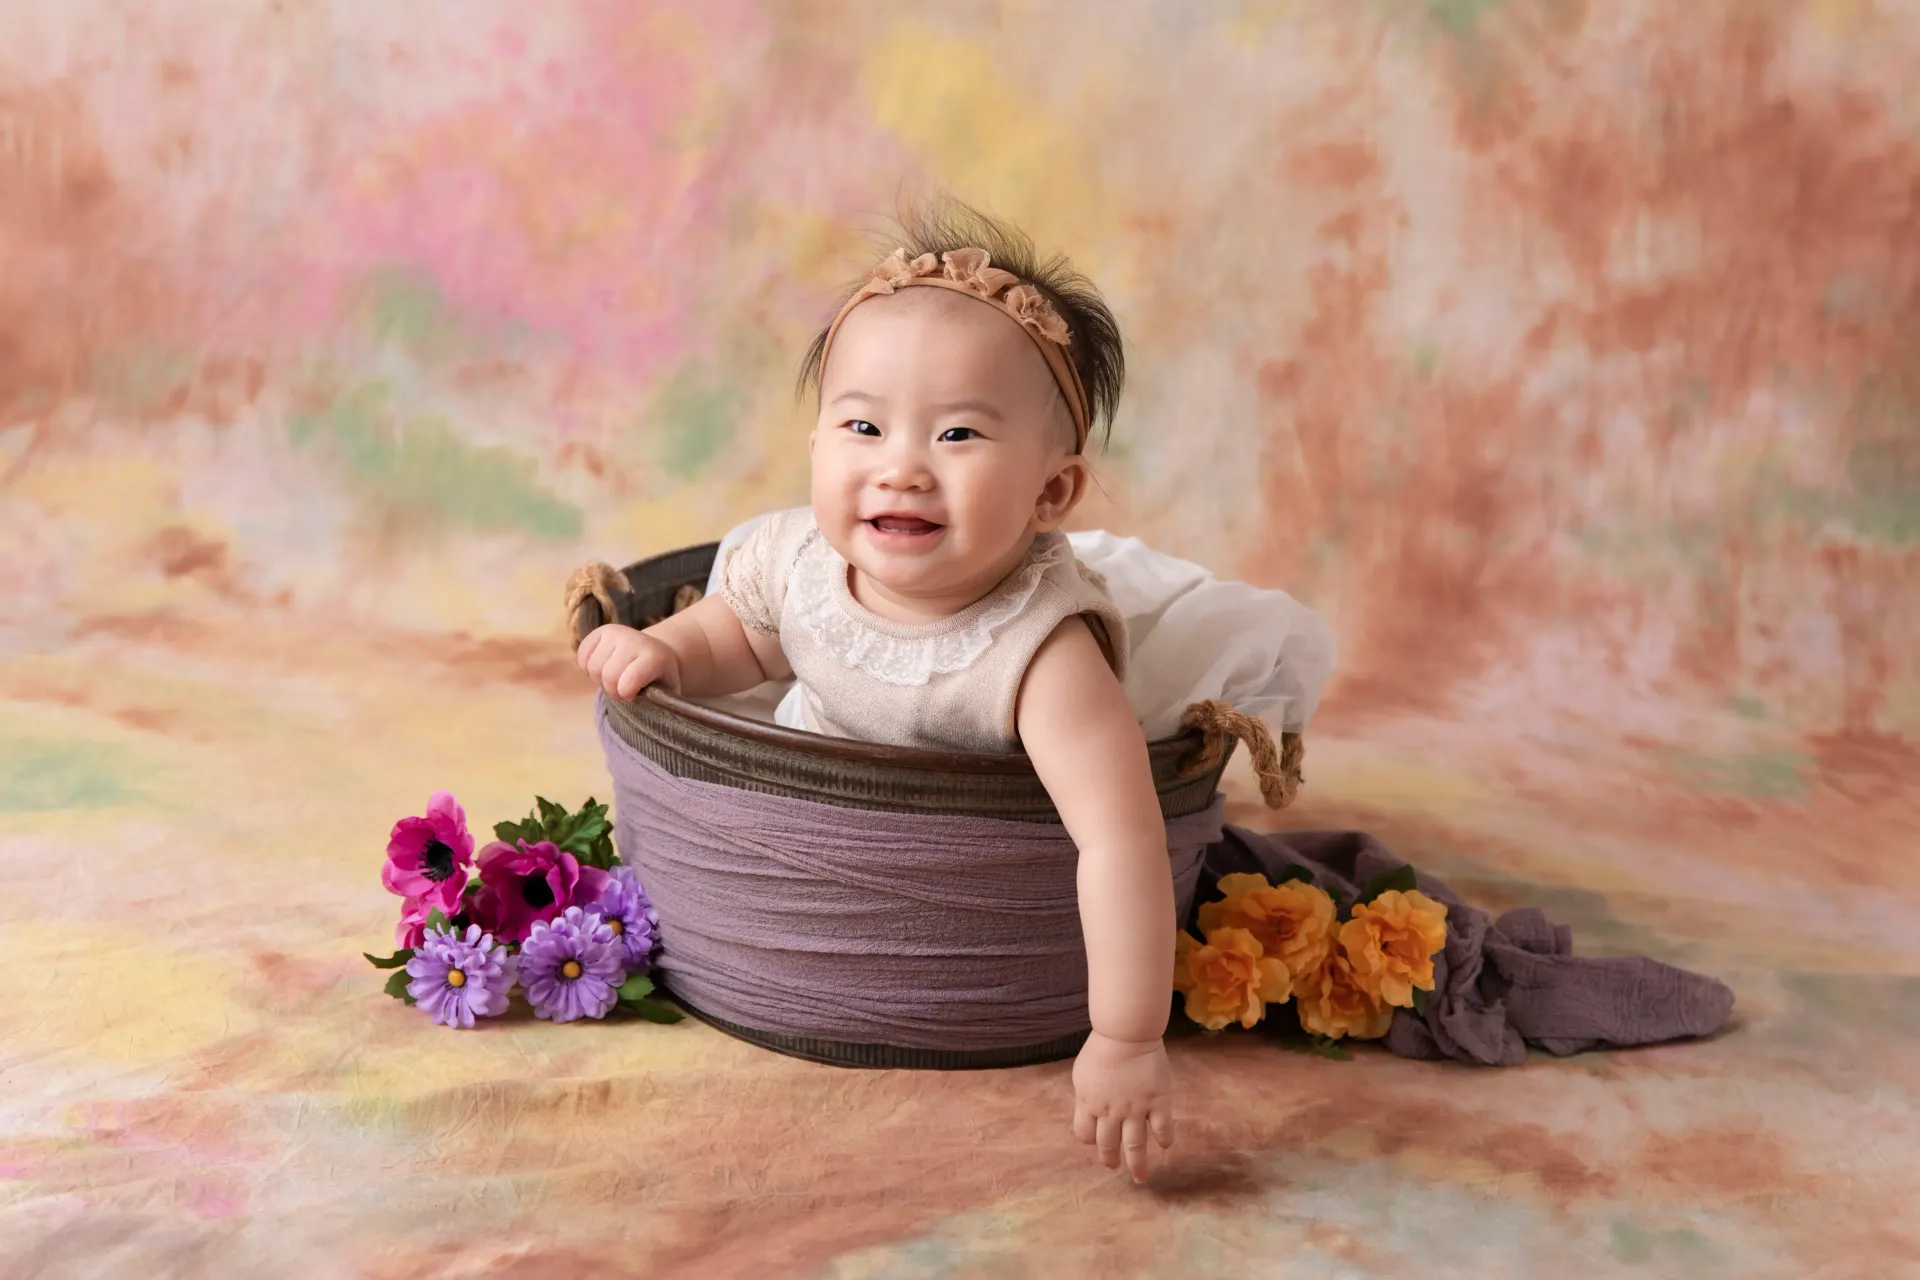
x,y
618,926
455,978
571,969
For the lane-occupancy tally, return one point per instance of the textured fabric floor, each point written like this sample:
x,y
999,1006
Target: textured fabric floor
x,y
202,1077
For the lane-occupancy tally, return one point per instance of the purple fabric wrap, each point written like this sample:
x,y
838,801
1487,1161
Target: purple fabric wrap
x,y
1503,984
865,927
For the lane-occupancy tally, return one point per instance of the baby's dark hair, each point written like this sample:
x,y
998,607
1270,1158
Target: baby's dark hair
x,y
945,225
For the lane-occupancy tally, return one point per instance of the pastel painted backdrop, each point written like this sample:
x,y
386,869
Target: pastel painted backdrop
x,y
1566,353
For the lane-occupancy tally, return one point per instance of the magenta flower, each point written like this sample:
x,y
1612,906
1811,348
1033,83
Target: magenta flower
x,y
528,884
427,857
570,967
459,978
412,929
624,906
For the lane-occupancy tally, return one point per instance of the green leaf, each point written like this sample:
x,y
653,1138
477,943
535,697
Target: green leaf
x,y
1420,998
395,961
652,1010
512,832
550,814
1400,878
1296,872
437,921
473,886
1328,1047
638,987
397,987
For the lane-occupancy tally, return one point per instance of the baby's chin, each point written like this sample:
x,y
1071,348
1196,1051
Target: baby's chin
x,y
927,568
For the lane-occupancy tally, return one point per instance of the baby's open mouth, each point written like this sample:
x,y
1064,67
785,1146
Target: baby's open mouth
x,y
904,524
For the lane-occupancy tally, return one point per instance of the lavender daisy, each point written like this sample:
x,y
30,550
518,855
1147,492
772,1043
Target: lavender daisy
x,y
624,906
572,966
457,978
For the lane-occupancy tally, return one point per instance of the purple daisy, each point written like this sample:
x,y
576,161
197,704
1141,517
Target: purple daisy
x,y
457,978
624,906
571,966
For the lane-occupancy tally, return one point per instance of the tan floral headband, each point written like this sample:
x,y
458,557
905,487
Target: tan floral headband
x,y
969,271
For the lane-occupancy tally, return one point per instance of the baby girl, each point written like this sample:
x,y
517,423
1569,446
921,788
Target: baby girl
x,y
928,598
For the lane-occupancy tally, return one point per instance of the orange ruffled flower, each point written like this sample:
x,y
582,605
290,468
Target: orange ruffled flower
x,y
1332,1003
897,270
969,267
1391,942
1294,922
1227,978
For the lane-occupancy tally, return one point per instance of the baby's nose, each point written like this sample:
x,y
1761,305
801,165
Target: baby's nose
x,y
905,471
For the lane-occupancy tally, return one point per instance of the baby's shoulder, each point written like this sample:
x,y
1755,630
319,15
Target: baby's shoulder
x,y
1068,587
754,573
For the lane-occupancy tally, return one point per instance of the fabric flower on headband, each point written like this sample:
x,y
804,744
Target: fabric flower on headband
x,y
1032,310
969,267
972,269
896,271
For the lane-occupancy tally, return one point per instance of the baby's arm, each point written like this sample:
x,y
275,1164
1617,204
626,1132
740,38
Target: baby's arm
x,y
1091,755
703,652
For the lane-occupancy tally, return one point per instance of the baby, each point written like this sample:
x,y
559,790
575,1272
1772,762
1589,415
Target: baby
x,y
929,599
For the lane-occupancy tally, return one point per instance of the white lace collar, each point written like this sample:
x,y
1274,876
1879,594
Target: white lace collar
x,y
903,653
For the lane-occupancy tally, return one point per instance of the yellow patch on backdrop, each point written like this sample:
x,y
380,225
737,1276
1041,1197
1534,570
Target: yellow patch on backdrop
x,y
1397,785
995,143
112,994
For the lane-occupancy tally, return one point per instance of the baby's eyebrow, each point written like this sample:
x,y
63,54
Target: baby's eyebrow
x,y
984,408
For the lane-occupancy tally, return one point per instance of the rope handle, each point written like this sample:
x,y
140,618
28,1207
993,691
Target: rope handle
x,y
603,584
599,583
1278,769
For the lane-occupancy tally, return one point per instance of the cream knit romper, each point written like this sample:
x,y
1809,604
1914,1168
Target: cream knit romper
x,y
946,685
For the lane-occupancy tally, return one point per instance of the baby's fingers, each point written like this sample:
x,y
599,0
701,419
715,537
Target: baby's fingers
x,y
1133,1144
1107,1134
1162,1122
1083,1128
634,676
588,648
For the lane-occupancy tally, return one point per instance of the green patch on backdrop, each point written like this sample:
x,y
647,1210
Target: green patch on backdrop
x,y
39,775
1454,17
419,466
139,379
1826,1004
1762,775
694,419
1884,466
1674,1247
1457,16
1599,926
1747,707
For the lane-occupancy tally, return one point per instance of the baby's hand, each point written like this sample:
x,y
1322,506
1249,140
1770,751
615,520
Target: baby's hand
x,y
1122,1089
626,661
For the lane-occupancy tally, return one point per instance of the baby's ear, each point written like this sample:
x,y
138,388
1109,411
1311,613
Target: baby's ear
x,y
1061,494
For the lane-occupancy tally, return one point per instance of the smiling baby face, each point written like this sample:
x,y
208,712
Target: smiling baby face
x,y
943,446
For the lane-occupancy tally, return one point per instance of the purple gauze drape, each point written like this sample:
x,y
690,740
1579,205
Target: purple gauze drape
x,y
865,927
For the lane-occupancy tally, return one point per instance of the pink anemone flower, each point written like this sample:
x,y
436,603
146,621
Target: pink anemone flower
x,y
523,883
428,857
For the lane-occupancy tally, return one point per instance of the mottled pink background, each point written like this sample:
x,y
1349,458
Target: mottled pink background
x,y
1566,354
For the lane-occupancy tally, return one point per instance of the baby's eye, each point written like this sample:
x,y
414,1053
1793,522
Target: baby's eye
x,y
861,428
954,435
